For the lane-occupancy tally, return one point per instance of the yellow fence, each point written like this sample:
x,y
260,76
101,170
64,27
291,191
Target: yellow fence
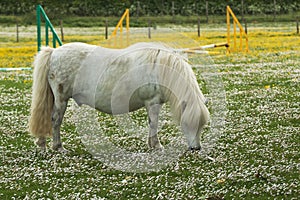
x,y
231,47
241,34
120,23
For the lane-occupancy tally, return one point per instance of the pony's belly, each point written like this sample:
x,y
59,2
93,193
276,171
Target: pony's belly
x,y
119,105
107,101
117,110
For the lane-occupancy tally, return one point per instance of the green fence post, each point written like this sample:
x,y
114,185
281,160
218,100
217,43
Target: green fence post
x,y
47,33
38,24
54,40
40,11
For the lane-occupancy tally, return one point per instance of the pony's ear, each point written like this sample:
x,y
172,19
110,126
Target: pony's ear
x,y
183,106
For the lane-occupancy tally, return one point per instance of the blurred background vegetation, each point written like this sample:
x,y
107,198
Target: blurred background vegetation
x,y
95,12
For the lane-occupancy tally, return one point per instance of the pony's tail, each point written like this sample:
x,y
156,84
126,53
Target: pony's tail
x,y
40,124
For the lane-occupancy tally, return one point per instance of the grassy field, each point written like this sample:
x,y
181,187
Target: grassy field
x,y
256,156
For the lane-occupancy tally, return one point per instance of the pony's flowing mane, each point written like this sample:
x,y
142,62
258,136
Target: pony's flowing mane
x,y
175,75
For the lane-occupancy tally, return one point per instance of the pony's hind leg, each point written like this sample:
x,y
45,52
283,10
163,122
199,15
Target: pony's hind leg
x,y
57,117
41,143
153,112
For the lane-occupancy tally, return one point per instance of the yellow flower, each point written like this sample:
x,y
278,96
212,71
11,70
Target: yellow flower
x,y
27,81
221,181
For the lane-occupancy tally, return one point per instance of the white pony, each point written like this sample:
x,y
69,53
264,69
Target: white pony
x,y
115,81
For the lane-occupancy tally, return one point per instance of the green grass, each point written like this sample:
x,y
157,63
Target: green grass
x,y
256,157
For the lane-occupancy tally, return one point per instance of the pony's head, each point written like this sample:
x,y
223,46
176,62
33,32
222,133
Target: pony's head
x,y
193,118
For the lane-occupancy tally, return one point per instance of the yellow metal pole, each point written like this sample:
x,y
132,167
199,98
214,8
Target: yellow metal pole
x,y
127,28
237,21
121,35
234,35
120,22
228,29
229,12
127,19
241,40
247,49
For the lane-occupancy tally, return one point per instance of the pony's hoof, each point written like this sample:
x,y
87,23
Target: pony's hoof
x,y
154,144
41,150
61,150
195,148
160,148
157,147
41,144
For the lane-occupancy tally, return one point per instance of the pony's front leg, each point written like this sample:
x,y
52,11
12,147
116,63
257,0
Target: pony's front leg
x,y
153,112
57,117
